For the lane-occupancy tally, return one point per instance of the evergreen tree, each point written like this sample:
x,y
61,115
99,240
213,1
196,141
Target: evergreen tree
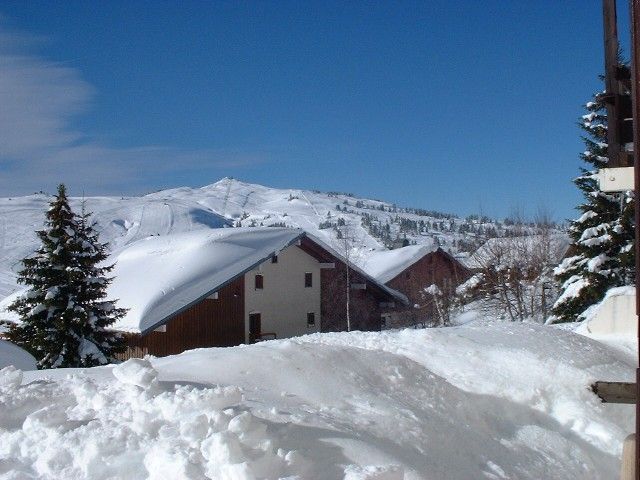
x,y
602,237
64,314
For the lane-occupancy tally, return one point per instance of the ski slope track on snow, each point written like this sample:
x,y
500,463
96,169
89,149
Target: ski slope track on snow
x,y
496,401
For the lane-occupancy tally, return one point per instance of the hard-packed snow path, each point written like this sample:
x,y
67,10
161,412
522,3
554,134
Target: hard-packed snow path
x,y
499,401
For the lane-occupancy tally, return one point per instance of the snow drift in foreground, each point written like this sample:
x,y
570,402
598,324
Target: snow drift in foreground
x,y
494,401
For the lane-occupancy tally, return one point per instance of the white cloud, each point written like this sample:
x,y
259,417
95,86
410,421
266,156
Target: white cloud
x,y
38,148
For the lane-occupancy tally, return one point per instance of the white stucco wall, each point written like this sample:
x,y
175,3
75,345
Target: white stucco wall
x,y
284,301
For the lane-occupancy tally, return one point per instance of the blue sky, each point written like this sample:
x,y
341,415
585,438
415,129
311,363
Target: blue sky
x,y
458,106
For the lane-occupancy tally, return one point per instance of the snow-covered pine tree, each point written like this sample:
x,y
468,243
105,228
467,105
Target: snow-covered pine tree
x,y
602,237
64,315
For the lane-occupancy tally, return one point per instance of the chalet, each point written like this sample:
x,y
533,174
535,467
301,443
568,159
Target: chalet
x,y
224,287
412,270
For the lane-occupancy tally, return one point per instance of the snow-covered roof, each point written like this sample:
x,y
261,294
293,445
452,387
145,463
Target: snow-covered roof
x,y
387,264
161,275
511,249
157,277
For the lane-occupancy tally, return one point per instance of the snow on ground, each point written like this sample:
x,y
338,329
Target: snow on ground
x,y
611,321
495,401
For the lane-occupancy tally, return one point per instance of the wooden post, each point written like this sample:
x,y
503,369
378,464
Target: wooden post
x,y
615,392
611,83
635,100
628,471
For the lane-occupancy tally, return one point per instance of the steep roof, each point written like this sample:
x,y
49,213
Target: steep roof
x,y
158,277
388,264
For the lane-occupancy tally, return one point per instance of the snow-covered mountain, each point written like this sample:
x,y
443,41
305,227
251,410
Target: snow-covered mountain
x,y
376,225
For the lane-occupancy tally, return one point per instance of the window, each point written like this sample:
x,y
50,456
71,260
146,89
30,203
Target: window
x,y
311,319
274,259
308,280
259,281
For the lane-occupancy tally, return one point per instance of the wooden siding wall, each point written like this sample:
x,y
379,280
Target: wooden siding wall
x,y
209,323
365,310
437,268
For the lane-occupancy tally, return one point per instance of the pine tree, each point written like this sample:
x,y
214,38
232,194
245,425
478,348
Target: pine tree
x,y
602,237
64,316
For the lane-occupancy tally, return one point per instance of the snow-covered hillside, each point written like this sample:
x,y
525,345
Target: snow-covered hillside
x,y
495,401
122,220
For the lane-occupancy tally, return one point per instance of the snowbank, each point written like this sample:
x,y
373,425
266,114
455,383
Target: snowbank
x,y
614,315
11,354
85,428
495,402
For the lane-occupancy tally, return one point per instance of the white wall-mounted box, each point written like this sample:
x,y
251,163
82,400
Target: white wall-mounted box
x,y
616,179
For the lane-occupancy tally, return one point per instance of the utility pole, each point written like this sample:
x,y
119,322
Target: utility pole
x,y
635,101
623,138
615,96
611,47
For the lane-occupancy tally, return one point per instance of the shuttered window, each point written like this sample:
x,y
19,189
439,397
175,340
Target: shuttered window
x,y
308,280
259,282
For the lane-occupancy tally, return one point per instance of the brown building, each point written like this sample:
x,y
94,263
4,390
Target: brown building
x,y
224,287
421,273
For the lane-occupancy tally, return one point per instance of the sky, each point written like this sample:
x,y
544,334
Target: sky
x,y
458,106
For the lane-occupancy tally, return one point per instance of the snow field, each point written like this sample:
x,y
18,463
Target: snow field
x,y
490,401
548,369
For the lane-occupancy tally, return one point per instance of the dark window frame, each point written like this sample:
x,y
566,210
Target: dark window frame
x,y
259,281
311,319
308,280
